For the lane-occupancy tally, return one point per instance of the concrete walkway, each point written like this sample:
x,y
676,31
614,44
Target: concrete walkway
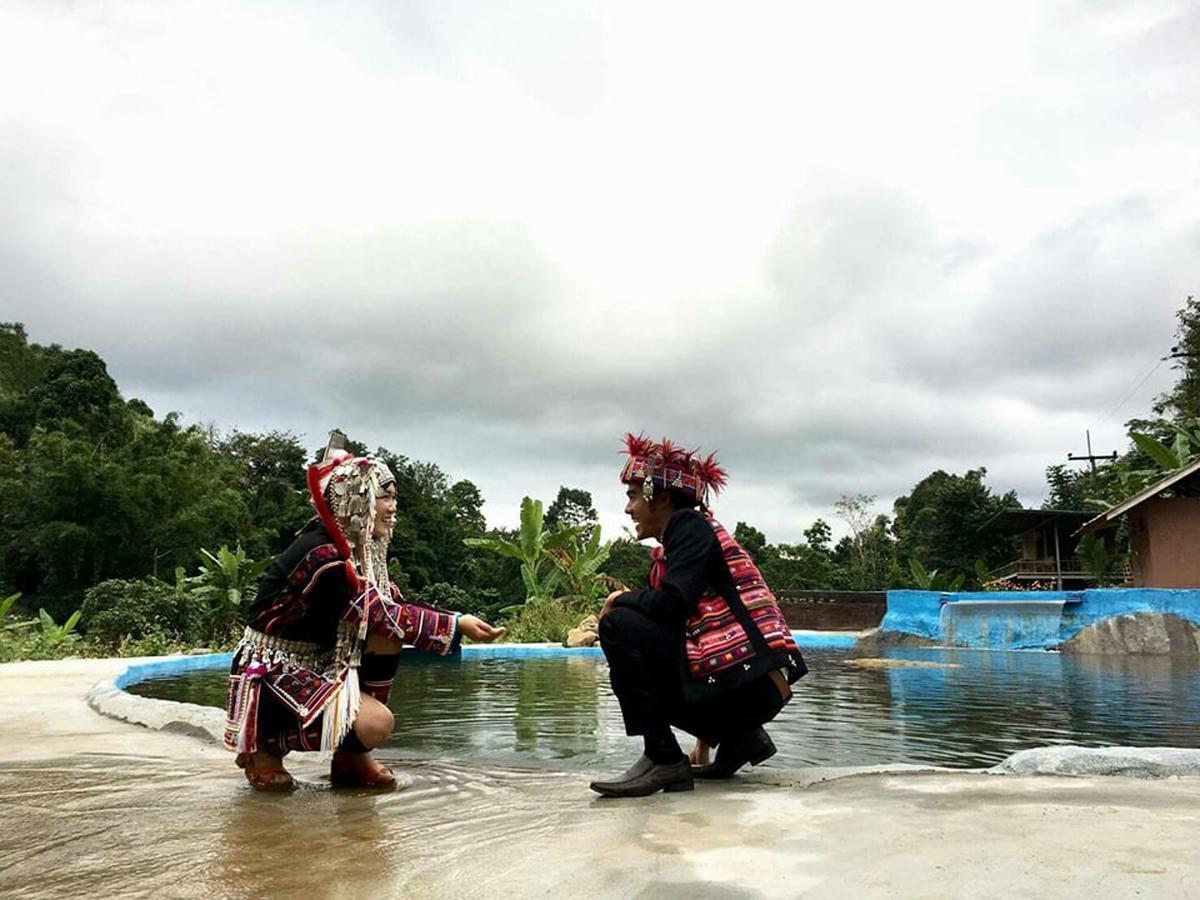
x,y
92,806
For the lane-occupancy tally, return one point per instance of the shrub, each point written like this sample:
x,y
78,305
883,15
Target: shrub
x,y
115,610
547,619
40,638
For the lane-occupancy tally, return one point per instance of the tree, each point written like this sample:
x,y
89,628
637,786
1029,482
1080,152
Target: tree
x,y
818,535
271,480
751,540
1076,490
628,562
22,364
939,522
865,560
572,508
1183,400
73,392
856,512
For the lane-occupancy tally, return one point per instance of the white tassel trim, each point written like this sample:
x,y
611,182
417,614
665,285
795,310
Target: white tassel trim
x,y
341,711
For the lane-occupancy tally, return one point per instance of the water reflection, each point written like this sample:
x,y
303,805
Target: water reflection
x,y
560,712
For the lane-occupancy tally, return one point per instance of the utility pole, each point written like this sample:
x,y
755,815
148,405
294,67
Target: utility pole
x,y
1092,457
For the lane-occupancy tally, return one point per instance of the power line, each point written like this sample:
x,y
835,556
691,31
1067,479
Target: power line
x,y
1135,389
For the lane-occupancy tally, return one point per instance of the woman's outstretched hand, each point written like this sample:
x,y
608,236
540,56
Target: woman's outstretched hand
x,y
478,630
608,603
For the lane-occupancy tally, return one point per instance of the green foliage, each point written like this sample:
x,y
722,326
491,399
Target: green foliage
x,y
433,518
54,634
40,638
818,535
533,549
572,508
941,519
7,603
483,602
547,619
74,512
119,610
580,561
934,580
1099,561
1183,400
751,540
270,480
225,585
1168,459
628,562
1080,489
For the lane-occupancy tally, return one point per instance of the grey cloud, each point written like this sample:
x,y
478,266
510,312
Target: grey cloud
x,y
873,348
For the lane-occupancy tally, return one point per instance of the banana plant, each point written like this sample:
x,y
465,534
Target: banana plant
x,y
54,634
1098,561
227,579
580,561
934,580
534,548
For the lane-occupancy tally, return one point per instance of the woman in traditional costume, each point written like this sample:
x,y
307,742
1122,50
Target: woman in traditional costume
x,y
704,646
315,666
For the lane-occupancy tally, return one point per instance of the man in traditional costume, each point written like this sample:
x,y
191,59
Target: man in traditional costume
x,y
315,666
705,646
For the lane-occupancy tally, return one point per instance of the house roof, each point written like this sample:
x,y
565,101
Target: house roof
x,y
1108,518
1019,521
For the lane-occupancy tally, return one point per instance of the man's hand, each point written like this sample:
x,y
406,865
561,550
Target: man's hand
x,y
699,754
478,630
608,602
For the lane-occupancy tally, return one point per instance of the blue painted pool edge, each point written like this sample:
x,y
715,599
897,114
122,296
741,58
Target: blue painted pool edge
x,y
177,665
919,612
172,666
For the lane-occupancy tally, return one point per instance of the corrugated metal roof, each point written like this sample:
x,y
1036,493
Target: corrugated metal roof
x,y
1017,521
1107,518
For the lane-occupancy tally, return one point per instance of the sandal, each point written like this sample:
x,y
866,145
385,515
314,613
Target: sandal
x,y
350,770
269,778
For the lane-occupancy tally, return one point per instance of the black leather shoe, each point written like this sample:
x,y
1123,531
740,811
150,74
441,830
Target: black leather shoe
x,y
753,747
645,777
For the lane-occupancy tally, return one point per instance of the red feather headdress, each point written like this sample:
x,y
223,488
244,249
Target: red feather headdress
x,y
666,465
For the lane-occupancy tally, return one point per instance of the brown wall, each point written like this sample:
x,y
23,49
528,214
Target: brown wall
x,y
1164,536
833,610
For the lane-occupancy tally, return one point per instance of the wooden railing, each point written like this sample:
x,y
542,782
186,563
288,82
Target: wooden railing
x,y
1072,567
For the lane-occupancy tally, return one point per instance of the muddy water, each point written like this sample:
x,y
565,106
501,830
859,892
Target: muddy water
x,y
558,713
109,826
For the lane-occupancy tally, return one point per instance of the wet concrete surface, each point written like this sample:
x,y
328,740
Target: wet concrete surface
x,y
98,808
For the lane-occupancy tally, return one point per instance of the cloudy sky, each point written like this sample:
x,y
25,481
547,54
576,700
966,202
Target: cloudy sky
x,y
845,243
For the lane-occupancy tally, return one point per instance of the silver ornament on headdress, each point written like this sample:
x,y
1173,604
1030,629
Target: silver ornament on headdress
x,y
351,493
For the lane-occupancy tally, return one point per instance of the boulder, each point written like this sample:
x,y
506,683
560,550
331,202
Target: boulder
x,y
1131,762
586,634
1147,633
877,640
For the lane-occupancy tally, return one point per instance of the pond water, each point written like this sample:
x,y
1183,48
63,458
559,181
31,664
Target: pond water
x,y
559,711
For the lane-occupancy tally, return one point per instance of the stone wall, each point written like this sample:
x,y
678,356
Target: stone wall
x,y
833,610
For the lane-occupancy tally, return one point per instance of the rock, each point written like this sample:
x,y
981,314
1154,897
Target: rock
x,y
875,641
867,662
1148,633
1131,762
586,634
199,651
